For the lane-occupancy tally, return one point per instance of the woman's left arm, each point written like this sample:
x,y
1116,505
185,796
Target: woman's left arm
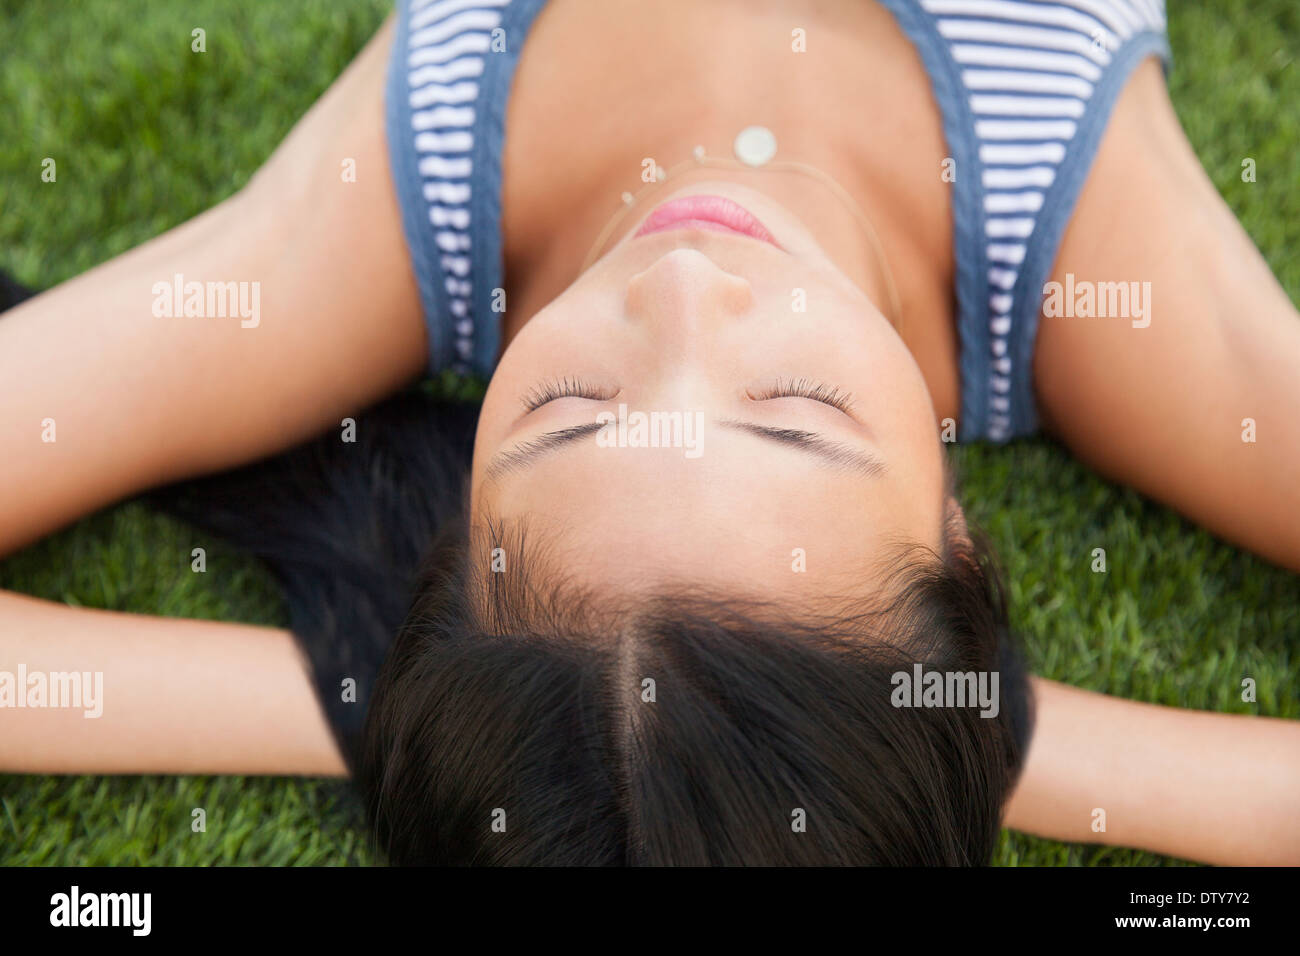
x,y
1196,402
1215,788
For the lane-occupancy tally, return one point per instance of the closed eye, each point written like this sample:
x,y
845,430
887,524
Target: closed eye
x,y
783,388
806,388
565,388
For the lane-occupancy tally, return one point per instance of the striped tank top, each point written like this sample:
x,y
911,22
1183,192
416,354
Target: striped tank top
x,y
1025,88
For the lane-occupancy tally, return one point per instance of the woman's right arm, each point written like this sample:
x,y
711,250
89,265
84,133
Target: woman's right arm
x,y
132,399
1215,788
154,695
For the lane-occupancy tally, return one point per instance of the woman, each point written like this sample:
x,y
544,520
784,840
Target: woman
x,y
827,325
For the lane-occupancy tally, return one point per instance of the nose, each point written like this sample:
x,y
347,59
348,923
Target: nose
x,y
685,291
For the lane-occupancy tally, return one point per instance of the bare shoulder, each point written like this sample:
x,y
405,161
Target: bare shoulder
x,y
241,332
1164,396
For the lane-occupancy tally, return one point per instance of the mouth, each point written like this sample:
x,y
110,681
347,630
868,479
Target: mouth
x,y
716,213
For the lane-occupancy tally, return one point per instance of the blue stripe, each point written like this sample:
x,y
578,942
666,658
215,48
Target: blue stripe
x,y
402,157
485,202
971,245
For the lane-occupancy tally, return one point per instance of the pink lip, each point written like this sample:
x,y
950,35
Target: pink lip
x,y
706,212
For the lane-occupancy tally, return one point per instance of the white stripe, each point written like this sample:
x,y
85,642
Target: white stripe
x,y
447,192
1000,384
971,54
457,265
1042,176
465,327
445,53
1001,302
1127,12
998,346
440,93
442,29
459,308
1143,9
1014,155
443,117
1013,202
1009,252
1038,37
456,287
1002,365
1103,12
446,8
467,66
442,216
1026,81
1027,106
1050,14
1025,129
1154,16
1000,403
461,142
1018,228
452,241
1000,325
440,167
1002,278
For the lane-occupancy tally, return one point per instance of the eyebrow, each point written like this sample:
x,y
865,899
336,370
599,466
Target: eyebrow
x,y
836,454
527,452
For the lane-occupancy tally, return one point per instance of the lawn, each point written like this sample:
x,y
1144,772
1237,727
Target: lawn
x,y
147,134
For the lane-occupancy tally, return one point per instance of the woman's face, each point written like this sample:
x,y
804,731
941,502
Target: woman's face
x,y
709,329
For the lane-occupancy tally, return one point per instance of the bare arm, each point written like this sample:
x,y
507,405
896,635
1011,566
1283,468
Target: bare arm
x,y
174,696
1215,788
1160,407
138,399
1163,407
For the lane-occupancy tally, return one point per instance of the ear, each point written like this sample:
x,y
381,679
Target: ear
x,y
957,539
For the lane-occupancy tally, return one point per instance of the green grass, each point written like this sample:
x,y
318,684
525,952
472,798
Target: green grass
x,y
147,134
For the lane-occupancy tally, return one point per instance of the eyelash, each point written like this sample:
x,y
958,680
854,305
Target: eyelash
x,y
806,388
798,388
564,388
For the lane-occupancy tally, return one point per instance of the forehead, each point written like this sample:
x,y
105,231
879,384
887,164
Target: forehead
x,y
541,584
649,518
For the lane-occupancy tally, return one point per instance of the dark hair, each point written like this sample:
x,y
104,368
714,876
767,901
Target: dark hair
x,y
522,693
510,723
